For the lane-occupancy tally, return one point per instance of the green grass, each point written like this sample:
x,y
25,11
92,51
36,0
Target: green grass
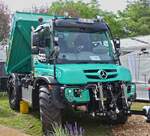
x,y
30,123
139,105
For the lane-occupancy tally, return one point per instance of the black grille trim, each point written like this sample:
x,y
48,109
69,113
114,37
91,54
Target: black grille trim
x,y
110,70
92,77
97,77
96,70
91,71
111,76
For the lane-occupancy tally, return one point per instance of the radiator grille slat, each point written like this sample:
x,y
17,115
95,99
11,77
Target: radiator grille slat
x,y
94,73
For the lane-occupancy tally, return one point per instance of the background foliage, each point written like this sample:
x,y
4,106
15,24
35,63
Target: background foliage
x,y
135,19
4,21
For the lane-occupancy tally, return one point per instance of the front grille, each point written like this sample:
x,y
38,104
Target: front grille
x,y
94,73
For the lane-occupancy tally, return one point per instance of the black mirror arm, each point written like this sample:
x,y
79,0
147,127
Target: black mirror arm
x,y
55,54
112,36
114,44
117,43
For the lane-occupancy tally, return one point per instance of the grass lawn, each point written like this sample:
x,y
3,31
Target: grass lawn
x,y
30,123
139,106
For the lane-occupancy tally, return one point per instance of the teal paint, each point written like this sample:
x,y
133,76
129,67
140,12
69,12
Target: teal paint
x,y
74,73
70,96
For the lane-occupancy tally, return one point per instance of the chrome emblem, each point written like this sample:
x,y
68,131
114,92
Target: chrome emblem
x,y
103,74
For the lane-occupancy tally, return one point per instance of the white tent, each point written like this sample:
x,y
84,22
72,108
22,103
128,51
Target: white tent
x,y
138,62
135,43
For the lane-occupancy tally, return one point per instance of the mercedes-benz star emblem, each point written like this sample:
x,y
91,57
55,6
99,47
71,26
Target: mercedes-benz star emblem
x,y
103,74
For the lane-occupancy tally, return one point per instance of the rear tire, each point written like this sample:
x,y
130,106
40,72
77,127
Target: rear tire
x,y
14,93
49,113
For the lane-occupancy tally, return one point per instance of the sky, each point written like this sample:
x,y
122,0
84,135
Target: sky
x,y
18,5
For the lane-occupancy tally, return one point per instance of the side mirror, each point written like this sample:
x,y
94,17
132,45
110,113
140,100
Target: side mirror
x,y
117,43
35,50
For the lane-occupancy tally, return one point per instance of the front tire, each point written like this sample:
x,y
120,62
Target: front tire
x,y
121,119
49,113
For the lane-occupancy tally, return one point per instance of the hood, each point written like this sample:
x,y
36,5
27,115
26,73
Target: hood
x,y
90,73
83,73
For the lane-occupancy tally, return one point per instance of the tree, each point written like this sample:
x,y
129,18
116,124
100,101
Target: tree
x,y
4,21
136,18
86,10
74,8
114,23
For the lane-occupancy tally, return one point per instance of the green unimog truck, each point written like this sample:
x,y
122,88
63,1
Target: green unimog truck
x,y
63,61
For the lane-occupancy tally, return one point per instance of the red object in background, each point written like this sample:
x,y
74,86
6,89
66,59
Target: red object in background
x,y
148,88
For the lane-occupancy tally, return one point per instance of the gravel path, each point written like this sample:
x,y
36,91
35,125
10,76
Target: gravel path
x,y
5,131
136,126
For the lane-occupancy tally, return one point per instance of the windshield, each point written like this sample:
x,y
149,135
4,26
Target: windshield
x,y
84,46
